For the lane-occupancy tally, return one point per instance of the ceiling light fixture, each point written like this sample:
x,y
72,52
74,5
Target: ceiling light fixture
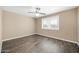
x,y
37,14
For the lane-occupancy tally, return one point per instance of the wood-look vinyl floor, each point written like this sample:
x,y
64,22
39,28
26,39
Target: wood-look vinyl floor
x,y
38,44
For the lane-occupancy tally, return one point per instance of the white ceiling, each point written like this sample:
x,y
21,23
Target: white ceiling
x,y
45,9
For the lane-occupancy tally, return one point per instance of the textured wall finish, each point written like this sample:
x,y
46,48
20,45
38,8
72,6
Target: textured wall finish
x,y
0,29
15,25
67,26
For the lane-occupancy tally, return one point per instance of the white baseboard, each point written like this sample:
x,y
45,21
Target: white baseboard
x,y
60,39
78,43
43,35
16,37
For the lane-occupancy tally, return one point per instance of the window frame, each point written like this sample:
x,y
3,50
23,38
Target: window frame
x,y
49,27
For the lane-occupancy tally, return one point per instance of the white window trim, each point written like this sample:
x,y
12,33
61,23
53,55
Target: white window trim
x,y
51,18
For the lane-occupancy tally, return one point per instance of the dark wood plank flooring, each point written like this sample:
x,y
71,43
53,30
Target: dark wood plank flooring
x,y
38,44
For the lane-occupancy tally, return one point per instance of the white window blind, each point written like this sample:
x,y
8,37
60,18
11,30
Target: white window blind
x,y
51,23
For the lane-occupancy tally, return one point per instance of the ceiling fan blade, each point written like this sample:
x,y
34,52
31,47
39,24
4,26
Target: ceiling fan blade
x,y
42,13
38,13
30,12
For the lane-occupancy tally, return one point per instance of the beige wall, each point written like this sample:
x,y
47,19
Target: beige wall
x,y
67,26
0,29
15,25
78,25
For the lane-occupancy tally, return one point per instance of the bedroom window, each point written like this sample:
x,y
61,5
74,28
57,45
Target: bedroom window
x,y
51,23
